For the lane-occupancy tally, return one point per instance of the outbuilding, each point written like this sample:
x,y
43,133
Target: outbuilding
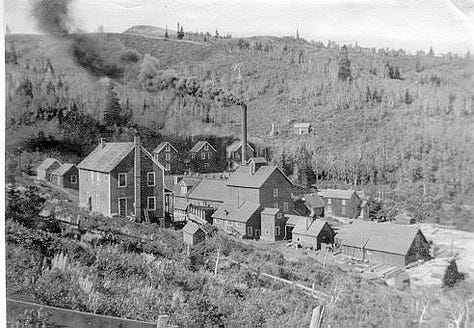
x,y
66,176
193,234
311,233
43,171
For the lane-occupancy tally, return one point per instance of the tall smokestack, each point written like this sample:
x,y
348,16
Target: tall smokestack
x,y
138,181
244,134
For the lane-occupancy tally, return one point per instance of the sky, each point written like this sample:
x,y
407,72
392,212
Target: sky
x,y
446,25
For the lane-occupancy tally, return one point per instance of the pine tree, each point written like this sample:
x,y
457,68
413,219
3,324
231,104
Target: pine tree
x,y
344,73
166,33
452,275
431,53
297,34
217,35
467,55
112,109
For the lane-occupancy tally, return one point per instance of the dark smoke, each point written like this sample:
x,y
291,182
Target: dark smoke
x,y
52,16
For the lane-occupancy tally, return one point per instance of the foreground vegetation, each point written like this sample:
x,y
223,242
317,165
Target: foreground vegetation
x,y
125,277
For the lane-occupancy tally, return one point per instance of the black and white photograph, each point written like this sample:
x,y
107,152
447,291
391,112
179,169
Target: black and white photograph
x,y
237,163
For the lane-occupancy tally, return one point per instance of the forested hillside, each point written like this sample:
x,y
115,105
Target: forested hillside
x,y
395,125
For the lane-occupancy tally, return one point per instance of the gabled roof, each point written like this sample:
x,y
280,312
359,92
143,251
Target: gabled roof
x,y
243,178
314,228
302,125
236,145
210,189
257,160
176,188
63,169
270,210
106,158
192,228
293,220
385,237
313,201
230,211
47,163
162,145
337,193
197,147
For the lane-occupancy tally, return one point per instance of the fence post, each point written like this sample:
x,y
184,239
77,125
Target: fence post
x,y
162,321
317,317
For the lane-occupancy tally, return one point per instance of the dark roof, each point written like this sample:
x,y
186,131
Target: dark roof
x,y
313,201
230,211
162,145
199,145
209,189
243,178
236,145
385,237
46,164
191,228
314,228
270,210
106,158
63,169
337,193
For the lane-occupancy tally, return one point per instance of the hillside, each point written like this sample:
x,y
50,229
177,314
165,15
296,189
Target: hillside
x,y
148,30
401,125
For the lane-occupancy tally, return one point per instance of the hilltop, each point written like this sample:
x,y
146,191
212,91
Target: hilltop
x,y
150,31
407,133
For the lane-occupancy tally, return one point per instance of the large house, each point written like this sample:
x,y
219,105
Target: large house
x,y
203,156
122,179
234,153
66,176
383,243
43,171
341,203
168,156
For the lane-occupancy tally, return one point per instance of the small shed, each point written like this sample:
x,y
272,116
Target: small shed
x,y
193,234
311,233
66,176
43,171
399,280
302,128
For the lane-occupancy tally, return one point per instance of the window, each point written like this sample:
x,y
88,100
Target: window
x,y
277,230
206,147
150,179
203,155
97,201
343,202
167,148
122,179
285,206
267,232
193,155
92,176
250,231
298,239
329,201
167,167
343,210
209,155
73,179
151,203
275,192
122,204
275,205
329,209
167,156
279,215
98,178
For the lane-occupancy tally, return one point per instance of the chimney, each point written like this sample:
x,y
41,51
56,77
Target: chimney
x,y
244,134
102,143
138,181
175,179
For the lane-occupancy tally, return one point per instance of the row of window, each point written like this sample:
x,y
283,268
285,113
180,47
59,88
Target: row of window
x,y
343,210
203,155
122,179
277,231
285,206
330,201
122,205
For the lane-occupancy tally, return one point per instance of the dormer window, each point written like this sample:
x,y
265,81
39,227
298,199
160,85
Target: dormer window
x,y
206,146
167,148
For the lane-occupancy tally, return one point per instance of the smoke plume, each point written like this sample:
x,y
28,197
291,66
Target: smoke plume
x,y
52,16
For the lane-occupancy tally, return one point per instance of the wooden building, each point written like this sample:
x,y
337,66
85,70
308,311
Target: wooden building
x,y
203,157
66,176
242,219
122,179
272,224
311,233
168,157
309,205
234,153
43,171
193,234
302,128
383,243
341,203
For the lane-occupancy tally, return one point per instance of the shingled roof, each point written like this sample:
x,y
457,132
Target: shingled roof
x,y
199,145
46,164
236,145
191,228
313,201
230,211
314,228
243,178
384,237
337,193
210,189
63,169
162,145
